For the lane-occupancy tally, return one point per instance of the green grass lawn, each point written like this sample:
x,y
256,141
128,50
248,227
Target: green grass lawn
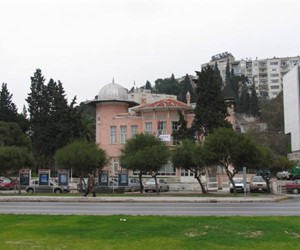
x,y
148,232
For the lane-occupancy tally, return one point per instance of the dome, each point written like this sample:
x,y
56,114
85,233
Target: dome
x,y
113,91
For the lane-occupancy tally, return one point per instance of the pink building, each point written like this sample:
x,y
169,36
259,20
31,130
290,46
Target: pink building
x,y
119,119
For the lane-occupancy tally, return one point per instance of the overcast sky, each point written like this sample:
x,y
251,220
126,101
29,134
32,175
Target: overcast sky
x,y
87,43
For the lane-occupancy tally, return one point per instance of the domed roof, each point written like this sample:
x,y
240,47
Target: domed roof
x,y
113,91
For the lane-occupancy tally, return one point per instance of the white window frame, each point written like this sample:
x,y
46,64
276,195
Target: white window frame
x,y
113,134
123,133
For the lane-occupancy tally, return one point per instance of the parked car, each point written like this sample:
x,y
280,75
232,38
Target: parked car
x,y
295,173
150,185
258,184
7,183
293,187
283,175
133,185
239,185
34,187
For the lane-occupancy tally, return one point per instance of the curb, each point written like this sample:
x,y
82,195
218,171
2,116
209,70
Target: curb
x,y
181,199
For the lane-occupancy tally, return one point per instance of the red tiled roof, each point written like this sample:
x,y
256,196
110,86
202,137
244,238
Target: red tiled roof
x,y
164,103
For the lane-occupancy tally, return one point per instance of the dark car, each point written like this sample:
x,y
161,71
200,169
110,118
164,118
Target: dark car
x,y
293,187
7,183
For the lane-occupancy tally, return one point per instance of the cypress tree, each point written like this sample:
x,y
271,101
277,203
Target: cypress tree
x,y
53,122
254,106
244,100
211,109
184,87
8,110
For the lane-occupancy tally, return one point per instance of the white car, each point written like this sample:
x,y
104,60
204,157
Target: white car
x,y
258,184
150,185
51,188
133,185
239,185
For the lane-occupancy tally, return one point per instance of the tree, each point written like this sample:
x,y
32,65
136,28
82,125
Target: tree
x,y
13,158
146,154
183,132
188,155
12,135
53,122
253,105
230,90
211,109
168,86
8,110
88,121
244,100
184,87
148,85
272,113
15,149
82,157
231,151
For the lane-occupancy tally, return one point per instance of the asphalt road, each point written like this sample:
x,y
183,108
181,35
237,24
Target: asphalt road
x,y
168,209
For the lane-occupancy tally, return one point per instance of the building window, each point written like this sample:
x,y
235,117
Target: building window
x,y
113,134
168,169
134,130
275,87
148,127
275,81
161,128
274,75
185,172
175,128
273,63
123,134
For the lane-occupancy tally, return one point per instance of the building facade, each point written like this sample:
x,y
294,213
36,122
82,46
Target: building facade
x,y
118,119
266,74
291,104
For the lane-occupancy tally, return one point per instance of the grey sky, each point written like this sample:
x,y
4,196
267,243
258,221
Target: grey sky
x,y
86,43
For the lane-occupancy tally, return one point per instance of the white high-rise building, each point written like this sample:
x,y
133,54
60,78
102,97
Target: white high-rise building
x,y
266,74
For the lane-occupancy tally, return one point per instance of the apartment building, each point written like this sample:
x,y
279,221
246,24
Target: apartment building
x,y
266,74
221,60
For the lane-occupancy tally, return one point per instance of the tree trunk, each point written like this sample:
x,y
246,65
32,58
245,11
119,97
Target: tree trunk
x,y
141,182
198,178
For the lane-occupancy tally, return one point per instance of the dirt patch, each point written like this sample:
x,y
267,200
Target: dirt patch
x,y
250,235
194,233
293,234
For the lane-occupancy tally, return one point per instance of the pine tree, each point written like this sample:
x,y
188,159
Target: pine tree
x,y
8,110
148,85
169,86
211,109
